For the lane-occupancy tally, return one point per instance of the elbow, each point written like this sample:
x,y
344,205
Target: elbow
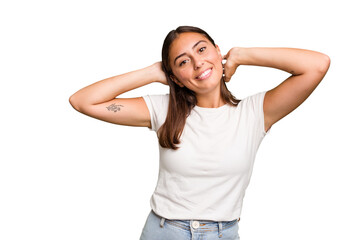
x,y
324,64
74,103
318,71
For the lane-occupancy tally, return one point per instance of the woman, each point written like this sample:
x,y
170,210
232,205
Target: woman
x,y
208,139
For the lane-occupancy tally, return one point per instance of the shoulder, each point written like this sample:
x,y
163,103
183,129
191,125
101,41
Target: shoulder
x,y
253,102
164,96
253,109
157,100
158,106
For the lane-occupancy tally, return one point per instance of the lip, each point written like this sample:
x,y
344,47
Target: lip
x,y
207,75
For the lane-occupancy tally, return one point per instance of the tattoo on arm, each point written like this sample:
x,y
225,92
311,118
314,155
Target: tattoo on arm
x,y
113,107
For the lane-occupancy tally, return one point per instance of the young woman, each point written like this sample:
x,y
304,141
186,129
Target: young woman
x,y
208,138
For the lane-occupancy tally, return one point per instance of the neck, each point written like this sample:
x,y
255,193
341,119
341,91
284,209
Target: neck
x,y
211,100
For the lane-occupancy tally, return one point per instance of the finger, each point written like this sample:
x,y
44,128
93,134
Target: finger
x,y
225,56
226,77
228,74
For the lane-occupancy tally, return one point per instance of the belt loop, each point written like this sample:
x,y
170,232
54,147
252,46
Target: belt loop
x,y
162,222
220,229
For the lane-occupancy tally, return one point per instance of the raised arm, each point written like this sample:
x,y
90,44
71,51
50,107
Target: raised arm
x,y
307,67
99,100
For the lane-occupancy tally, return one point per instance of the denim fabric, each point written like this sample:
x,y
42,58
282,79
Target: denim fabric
x,y
158,228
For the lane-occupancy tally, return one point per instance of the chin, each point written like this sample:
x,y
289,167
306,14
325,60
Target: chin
x,y
207,87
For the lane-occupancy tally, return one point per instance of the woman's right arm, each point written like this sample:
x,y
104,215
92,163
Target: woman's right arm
x,y
99,100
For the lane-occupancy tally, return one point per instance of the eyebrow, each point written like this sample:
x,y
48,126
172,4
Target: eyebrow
x,y
192,48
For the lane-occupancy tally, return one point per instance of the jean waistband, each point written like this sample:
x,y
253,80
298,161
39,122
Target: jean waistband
x,y
198,225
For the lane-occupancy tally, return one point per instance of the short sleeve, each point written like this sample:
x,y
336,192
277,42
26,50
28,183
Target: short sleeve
x,y
255,106
158,107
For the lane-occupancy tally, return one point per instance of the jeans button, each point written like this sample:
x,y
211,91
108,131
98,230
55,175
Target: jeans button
x,y
195,224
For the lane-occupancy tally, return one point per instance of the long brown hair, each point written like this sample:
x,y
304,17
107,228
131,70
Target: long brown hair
x,y
182,100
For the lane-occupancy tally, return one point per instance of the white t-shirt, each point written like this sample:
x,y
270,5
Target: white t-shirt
x,y
206,178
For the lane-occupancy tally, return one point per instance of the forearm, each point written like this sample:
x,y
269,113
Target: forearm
x,y
108,89
292,60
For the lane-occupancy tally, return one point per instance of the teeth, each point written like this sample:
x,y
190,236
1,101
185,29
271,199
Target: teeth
x,y
204,73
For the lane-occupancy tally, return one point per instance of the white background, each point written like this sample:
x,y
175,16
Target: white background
x,y
64,175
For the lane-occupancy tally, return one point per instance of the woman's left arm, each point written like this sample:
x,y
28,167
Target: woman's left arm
x,y
307,67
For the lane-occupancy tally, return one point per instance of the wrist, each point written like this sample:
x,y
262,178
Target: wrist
x,y
148,74
156,73
240,55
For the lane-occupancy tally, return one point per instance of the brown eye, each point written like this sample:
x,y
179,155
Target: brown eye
x,y
202,49
182,63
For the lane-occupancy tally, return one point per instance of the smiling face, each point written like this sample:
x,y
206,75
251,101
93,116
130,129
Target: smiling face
x,y
196,63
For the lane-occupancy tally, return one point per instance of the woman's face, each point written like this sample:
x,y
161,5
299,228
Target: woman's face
x,y
196,63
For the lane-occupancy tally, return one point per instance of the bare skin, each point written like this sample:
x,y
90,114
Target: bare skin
x,y
96,99
307,67
198,56
199,68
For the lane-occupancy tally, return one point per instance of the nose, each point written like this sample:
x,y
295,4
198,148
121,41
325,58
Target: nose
x,y
198,62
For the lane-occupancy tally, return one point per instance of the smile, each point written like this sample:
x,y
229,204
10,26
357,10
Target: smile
x,y
205,74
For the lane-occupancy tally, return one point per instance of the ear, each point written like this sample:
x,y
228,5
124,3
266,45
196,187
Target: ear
x,y
174,79
218,50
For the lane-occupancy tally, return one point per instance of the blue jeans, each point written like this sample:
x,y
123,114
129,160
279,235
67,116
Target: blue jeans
x,y
159,228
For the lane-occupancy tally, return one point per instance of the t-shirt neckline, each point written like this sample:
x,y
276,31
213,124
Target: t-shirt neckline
x,y
217,109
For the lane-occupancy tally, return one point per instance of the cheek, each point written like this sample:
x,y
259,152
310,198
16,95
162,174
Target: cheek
x,y
183,74
219,59
218,64
215,58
